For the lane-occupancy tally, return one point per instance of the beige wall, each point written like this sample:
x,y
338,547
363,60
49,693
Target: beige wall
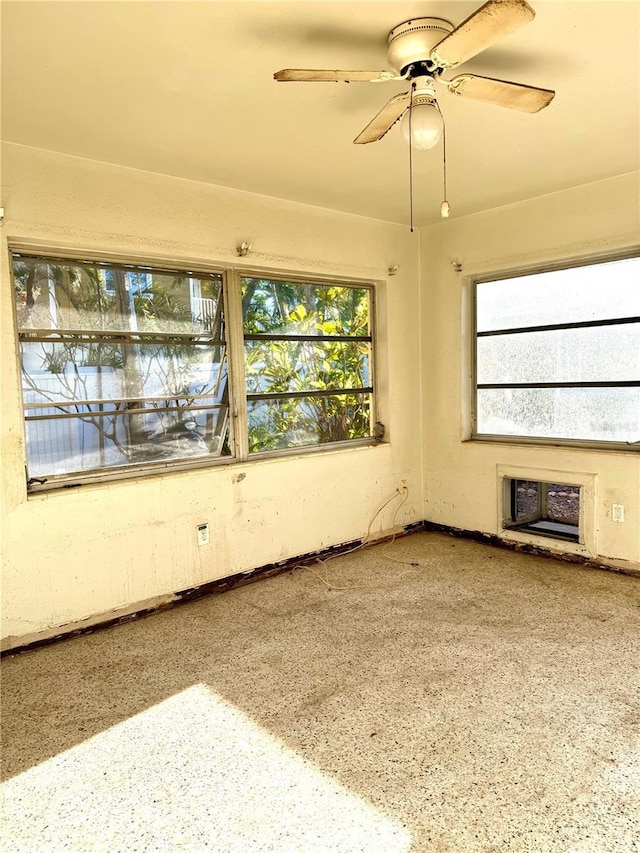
x,y
71,555
84,554
462,477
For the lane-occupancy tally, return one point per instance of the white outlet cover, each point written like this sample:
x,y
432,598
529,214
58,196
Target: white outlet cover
x,y
203,534
617,512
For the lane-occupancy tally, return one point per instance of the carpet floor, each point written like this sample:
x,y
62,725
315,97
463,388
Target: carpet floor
x,y
434,694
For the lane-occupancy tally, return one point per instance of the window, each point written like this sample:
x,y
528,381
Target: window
x,y
115,370
307,363
546,509
558,354
127,368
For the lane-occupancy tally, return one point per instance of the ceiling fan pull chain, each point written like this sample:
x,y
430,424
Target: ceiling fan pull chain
x,y
413,86
445,209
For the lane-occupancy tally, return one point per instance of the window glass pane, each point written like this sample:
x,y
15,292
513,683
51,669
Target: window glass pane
x,y
111,438
78,296
178,392
100,403
527,499
605,414
553,501
283,309
304,421
563,503
281,366
84,371
602,353
301,308
594,292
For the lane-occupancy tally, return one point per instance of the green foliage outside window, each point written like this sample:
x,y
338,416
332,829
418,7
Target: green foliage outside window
x,y
329,365
125,365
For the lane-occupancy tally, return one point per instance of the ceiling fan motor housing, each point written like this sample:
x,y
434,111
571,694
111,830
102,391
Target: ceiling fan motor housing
x,y
412,41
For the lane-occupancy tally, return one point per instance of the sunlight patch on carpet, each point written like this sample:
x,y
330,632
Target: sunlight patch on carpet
x,y
191,773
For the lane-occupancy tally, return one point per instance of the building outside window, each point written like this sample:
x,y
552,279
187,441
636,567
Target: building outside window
x,y
128,368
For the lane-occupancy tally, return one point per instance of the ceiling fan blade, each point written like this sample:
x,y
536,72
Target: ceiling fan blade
x,y
530,99
490,22
385,119
322,75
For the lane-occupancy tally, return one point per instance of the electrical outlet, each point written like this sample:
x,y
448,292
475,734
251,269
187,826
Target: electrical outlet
x,y
203,534
617,512
403,488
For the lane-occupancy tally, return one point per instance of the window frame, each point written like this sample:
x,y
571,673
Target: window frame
x,y
526,524
232,306
519,272
251,272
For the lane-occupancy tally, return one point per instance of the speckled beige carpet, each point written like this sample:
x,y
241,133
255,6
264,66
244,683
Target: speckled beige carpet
x,y
480,701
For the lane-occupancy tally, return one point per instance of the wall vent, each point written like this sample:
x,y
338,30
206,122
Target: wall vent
x,y
541,508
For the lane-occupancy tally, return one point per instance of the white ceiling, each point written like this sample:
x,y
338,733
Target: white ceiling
x,y
186,89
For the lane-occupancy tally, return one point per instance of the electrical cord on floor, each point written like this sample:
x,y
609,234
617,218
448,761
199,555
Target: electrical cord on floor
x,y
385,552
336,588
377,513
362,544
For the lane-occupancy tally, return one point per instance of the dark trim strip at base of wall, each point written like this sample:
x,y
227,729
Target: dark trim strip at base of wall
x,y
273,569
523,548
211,588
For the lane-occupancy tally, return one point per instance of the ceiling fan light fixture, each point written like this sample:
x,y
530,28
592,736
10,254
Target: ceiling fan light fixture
x,y
422,125
419,50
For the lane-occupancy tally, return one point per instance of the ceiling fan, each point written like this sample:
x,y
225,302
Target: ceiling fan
x,y
420,51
